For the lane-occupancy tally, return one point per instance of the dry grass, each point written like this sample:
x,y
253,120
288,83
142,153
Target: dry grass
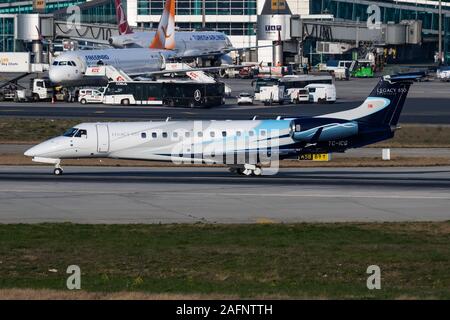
x,y
20,160
44,294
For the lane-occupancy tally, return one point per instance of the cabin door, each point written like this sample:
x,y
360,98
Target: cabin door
x,y
102,138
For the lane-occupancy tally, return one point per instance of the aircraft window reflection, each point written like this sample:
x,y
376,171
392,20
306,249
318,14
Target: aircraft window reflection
x,y
71,132
81,133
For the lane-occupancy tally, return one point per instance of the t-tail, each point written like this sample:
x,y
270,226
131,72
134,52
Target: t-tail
x,y
384,104
122,22
165,35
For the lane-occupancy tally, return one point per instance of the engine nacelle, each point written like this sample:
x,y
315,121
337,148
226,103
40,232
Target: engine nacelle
x,y
226,59
319,132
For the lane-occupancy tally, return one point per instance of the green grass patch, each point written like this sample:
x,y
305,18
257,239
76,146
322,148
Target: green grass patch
x,y
276,260
34,130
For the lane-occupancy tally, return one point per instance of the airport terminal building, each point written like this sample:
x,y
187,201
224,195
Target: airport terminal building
x,y
260,22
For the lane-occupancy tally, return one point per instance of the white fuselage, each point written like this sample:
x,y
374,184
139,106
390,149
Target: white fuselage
x,y
70,67
166,141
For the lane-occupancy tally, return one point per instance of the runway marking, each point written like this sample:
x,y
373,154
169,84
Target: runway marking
x,y
277,195
100,112
12,110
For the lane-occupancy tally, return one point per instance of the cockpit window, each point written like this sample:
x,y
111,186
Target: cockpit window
x,y
71,132
55,63
81,133
72,63
63,63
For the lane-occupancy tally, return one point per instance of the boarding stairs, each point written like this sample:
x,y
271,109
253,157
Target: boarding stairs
x,y
109,72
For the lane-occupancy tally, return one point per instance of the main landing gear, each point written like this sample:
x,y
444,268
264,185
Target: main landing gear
x,y
247,170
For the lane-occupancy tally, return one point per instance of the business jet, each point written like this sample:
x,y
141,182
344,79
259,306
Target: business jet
x,y
242,145
70,67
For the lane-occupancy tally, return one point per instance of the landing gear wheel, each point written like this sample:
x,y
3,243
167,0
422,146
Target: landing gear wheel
x,y
58,171
257,171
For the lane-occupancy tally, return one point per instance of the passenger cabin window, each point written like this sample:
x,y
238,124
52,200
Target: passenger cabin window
x,y
263,133
143,135
154,135
164,135
175,134
81,133
251,133
212,134
224,133
200,134
238,133
187,134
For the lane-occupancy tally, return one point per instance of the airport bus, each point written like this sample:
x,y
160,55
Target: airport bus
x,y
166,93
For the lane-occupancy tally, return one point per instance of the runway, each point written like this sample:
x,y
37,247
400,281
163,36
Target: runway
x,y
213,195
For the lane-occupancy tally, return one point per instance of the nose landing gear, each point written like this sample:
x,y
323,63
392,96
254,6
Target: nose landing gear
x,y
58,171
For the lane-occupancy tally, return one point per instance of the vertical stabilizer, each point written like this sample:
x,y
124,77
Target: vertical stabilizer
x,y
122,22
165,35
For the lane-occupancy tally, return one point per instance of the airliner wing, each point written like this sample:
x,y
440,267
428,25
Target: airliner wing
x,y
219,53
207,69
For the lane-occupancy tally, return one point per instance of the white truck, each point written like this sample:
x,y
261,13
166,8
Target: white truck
x,y
322,93
298,95
272,94
40,89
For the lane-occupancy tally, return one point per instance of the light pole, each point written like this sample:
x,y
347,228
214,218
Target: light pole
x,y
203,14
440,32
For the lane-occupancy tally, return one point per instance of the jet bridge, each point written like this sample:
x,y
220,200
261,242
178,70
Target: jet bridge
x,y
406,32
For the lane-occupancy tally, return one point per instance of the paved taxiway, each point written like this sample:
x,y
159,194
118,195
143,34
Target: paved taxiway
x,y
175,195
427,103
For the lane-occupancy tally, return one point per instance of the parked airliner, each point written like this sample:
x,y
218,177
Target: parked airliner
x,y
69,68
241,143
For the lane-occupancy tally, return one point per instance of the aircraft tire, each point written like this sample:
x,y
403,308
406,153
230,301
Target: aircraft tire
x,y
58,171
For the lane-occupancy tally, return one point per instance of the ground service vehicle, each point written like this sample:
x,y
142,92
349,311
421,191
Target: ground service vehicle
x,y
322,93
272,94
297,87
443,73
40,89
90,96
297,95
263,82
363,69
168,93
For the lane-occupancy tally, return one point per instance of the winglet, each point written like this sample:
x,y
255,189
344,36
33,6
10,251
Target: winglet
x,y
122,22
165,35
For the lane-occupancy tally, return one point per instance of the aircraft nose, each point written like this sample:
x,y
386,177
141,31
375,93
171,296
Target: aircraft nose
x,y
54,75
32,152
45,148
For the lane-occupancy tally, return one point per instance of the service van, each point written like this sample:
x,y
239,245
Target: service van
x,y
322,93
